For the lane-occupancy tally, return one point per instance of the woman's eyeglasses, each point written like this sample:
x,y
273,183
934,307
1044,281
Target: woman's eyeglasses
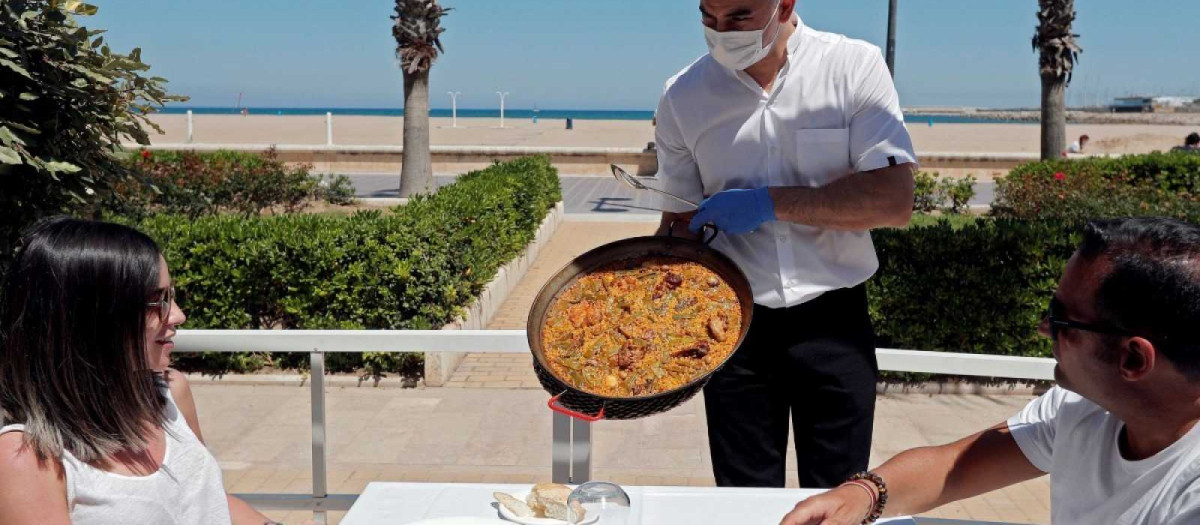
x,y
164,303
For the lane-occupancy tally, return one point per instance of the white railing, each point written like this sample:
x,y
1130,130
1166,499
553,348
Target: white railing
x,y
571,449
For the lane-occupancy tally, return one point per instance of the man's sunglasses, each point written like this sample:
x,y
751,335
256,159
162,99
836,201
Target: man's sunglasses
x,y
1056,318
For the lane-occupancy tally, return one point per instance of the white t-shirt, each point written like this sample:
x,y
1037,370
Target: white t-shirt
x,y
1076,441
832,111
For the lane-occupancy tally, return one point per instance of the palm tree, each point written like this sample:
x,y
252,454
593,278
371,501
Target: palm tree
x,y
417,31
1056,44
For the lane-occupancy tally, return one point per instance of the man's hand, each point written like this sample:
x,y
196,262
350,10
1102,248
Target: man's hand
x,y
842,506
735,211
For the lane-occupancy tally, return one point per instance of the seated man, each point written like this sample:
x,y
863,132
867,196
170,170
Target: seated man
x,y
1118,435
1191,144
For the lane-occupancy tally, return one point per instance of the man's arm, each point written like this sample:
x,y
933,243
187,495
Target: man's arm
x,y
922,479
858,202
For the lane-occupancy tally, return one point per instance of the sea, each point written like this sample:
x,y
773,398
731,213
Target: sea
x,y
526,114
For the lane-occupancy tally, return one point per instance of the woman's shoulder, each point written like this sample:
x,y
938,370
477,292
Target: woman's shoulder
x,y
27,479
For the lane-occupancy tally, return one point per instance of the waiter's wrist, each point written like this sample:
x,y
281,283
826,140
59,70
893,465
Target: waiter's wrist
x,y
765,204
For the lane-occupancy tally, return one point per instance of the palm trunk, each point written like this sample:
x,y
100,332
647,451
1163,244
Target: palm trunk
x,y
416,175
1054,117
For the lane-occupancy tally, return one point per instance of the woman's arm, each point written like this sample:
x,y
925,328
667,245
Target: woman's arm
x,y
31,491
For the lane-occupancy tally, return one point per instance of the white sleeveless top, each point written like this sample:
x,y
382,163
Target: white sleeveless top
x,y
186,490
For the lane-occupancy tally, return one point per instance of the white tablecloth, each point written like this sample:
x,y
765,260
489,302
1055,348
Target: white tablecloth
x,y
402,503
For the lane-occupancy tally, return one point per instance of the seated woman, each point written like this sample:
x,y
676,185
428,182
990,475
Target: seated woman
x,y
94,428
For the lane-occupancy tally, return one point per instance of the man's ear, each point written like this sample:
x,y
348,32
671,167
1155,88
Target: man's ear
x,y
1137,358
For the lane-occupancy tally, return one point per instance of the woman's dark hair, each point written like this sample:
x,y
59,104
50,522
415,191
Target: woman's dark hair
x,y
1193,139
73,365
1152,284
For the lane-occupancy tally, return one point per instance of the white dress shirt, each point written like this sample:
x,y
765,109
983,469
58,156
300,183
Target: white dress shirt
x,y
832,111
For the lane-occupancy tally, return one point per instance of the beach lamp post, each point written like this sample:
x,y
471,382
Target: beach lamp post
x,y
502,95
454,107
189,126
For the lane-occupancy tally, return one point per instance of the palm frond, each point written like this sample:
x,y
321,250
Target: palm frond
x,y
417,29
1054,40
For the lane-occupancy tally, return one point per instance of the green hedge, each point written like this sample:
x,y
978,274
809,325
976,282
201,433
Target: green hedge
x,y
979,287
197,184
1158,184
414,268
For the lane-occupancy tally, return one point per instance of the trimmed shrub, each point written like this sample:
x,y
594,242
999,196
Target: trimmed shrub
x,y
1157,184
196,184
414,268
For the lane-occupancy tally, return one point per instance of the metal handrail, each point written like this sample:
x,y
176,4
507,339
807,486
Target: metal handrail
x,y
572,438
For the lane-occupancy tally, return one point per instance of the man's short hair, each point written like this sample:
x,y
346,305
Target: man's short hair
x,y
1192,139
1152,284
1085,137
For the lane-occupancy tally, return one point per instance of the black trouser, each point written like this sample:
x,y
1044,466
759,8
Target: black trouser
x,y
815,360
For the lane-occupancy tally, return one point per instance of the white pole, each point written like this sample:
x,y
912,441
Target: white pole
x,y
454,107
329,128
502,95
189,138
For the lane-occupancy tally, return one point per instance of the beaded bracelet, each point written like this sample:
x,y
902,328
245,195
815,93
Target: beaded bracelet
x,y
881,502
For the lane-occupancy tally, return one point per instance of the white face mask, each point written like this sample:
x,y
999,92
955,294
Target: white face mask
x,y
738,50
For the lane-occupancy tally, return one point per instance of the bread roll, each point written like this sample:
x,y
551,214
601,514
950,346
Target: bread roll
x,y
514,505
549,500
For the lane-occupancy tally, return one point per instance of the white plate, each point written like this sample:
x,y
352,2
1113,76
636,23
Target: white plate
x,y
508,514
460,521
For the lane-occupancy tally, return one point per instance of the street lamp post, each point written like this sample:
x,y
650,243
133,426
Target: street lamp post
x,y
502,95
891,36
454,107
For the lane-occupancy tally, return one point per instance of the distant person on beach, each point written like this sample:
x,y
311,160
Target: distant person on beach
x,y
1079,145
792,141
1191,144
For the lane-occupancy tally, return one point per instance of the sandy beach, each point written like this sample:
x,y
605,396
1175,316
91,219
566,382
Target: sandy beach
x,y
359,130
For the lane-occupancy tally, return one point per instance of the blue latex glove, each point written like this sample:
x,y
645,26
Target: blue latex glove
x,y
735,211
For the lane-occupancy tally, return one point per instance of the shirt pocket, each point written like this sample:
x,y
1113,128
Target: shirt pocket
x,y
821,156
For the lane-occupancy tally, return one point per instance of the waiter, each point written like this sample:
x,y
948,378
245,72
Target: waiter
x,y
793,142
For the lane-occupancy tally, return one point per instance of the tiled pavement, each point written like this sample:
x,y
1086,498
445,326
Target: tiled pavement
x,y
260,434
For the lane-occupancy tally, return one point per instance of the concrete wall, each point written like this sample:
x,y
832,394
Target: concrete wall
x,y
440,366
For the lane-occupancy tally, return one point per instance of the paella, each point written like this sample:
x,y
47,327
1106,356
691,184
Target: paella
x,y
641,326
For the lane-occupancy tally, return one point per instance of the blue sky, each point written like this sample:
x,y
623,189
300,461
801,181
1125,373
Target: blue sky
x,y
615,54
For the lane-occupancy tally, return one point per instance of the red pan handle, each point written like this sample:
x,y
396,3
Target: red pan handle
x,y
553,404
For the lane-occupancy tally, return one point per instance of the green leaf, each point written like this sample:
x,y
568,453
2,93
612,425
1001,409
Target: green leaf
x,y
28,97
15,68
21,127
79,82
80,8
8,138
62,167
9,53
9,156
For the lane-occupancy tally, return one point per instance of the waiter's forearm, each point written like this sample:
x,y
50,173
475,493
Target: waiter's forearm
x,y
862,201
